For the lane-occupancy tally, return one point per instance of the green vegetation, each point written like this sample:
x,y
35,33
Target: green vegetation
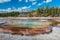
x,y
40,12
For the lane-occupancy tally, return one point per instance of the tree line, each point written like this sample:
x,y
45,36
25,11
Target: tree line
x,y
40,12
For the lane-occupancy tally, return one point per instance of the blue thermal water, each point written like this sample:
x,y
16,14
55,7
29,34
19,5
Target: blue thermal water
x,y
30,23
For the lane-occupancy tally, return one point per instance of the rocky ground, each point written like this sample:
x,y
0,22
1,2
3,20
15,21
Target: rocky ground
x,y
55,35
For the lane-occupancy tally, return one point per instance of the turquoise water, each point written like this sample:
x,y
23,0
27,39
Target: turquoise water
x,y
30,23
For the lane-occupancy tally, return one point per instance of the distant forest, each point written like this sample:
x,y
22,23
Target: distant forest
x,y
40,12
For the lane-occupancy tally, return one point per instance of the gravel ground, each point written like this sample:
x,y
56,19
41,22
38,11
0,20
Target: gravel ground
x,y
55,35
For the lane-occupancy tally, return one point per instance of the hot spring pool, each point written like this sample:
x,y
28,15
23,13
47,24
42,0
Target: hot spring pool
x,y
31,24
